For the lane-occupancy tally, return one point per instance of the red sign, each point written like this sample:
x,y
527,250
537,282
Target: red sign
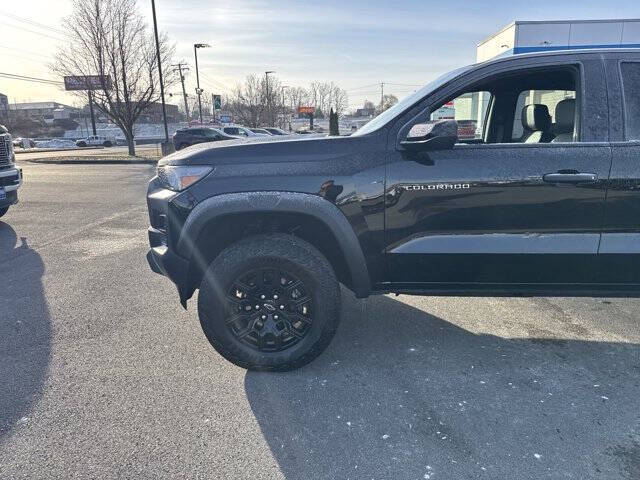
x,y
306,109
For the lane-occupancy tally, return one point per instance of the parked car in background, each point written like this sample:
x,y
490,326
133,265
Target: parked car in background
x,y
276,131
239,131
261,131
186,137
23,142
96,141
467,130
317,131
10,176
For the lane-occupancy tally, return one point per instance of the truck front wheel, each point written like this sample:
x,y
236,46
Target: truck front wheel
x,y
270,302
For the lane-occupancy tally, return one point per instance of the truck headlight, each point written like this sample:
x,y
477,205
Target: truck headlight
x,y
12,155
177,178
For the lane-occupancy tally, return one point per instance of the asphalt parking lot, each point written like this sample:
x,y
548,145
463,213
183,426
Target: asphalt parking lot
x,y
103,375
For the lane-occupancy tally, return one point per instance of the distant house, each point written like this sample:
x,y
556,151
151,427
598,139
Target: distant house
x,y
365,112
153,113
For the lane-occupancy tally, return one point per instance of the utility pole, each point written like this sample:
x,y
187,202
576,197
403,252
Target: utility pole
x,y
180,67
164,109
196,46
381,96
93,118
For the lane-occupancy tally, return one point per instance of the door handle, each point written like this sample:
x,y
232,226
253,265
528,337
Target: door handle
x,y
564,177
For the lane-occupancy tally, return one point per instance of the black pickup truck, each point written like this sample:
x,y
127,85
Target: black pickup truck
x,y
543,198
10,176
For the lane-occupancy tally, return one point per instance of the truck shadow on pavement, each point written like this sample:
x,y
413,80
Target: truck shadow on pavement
x,y
25,330
404,394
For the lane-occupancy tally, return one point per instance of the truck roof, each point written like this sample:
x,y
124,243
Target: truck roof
x,y
559,52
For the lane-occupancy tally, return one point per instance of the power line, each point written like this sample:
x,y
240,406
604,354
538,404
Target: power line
x,y
386,83
33,31
377,92
25,78
28,52
216,83
35,24
363,86
24,59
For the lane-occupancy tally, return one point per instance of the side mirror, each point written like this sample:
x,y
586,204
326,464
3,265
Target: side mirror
x,y
432,136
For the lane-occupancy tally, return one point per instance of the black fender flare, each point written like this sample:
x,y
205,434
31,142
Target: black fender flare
x,y
285,202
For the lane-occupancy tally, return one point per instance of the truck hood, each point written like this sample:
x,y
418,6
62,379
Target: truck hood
x,y
267,150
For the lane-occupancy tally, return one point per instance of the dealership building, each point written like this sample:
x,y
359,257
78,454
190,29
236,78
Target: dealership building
x,y
527,37
539,36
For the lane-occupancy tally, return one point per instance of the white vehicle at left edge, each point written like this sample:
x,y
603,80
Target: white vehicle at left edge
x,y
10,175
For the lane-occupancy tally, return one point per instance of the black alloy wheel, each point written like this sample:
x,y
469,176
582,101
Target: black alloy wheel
x,y
269,309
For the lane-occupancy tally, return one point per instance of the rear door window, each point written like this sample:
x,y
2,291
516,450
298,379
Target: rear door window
x,y
631,93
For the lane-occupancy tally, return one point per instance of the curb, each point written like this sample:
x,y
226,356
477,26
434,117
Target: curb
x,y
142,161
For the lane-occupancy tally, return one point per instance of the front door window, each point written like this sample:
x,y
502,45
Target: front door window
x,y
469,110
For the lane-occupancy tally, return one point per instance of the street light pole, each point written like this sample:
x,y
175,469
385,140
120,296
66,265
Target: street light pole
x,y
266,77
196,46
283,105
164,109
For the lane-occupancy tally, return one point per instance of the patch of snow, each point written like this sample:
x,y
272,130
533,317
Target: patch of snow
x,y
55,143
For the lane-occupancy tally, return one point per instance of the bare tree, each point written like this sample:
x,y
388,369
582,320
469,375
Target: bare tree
x,y
206,102
388,101
339,100
110,38
297,96
272,98
320,93
250,101
314,94
368,105
247,102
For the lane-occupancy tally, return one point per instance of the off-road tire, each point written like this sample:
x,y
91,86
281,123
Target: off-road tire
x,y
286,253
3,211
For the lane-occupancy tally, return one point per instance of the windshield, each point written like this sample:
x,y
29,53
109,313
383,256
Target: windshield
x,y
408,101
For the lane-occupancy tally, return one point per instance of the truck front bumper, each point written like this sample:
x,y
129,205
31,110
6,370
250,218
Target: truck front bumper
x,y
165,262
10,182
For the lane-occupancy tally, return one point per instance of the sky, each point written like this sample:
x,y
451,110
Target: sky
x,y
354,43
